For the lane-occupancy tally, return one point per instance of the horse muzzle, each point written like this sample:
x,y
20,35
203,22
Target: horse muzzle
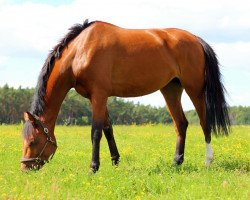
x,y
30,166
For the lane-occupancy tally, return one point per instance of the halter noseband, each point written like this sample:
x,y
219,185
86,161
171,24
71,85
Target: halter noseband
x,y
39,159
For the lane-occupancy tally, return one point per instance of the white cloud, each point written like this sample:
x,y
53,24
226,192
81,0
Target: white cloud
x,y
3,3
234,55
3,61
26,26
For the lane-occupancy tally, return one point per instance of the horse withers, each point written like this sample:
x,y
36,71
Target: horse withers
x,y
100,60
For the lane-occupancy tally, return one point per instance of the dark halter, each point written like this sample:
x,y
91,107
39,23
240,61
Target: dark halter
x,y
39,159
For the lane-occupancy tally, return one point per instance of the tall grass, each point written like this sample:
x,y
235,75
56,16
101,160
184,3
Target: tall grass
x,y
145,171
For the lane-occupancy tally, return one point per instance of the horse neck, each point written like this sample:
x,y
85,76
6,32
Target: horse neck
x,y
58,85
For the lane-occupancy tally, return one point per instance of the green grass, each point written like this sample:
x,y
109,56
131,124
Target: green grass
x,y
145,171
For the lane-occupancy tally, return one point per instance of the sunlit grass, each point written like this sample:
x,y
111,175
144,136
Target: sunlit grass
x,y
145,171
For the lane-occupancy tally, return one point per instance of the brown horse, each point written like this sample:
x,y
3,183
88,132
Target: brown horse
x,y
100,60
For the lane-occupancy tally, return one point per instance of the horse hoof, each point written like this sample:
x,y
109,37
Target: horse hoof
x,y
94,167
115,160
178,160
175,163
208,162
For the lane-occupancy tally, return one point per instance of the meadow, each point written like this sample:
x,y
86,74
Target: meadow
x,y
145,170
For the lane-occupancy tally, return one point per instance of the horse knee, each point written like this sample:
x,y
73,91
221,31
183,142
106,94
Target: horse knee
x,y
96,135
108,131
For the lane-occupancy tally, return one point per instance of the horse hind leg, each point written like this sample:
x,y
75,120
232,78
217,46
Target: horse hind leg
x,y
108,132
198,99
172,94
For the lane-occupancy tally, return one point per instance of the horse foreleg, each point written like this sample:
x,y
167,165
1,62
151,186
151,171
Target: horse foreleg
x,y
108,132
96,135
99,107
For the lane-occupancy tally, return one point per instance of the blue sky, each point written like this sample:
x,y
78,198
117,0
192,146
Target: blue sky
x,y
29,29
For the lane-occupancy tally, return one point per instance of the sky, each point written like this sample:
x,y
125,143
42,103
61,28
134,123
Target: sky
x,y
29,29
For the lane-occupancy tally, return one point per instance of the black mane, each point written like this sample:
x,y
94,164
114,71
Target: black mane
x,y
37,106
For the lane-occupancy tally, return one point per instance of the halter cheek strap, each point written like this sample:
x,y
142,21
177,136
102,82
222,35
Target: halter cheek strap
x,y
39,159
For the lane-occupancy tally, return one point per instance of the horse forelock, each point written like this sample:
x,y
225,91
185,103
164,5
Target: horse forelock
x,y
27,130
38,103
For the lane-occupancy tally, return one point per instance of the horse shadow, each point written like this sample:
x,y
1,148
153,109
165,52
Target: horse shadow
x,y
233,165
165,167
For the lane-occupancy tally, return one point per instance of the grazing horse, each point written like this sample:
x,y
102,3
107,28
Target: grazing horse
x,y
100,60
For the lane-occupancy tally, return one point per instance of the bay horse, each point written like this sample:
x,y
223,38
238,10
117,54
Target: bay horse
x,y
100,60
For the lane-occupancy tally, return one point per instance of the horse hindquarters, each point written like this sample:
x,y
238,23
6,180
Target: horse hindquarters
x,y
206,91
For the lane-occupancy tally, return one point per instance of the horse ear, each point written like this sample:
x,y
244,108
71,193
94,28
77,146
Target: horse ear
x,y
28,117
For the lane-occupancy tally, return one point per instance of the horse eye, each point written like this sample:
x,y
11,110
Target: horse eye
x,y
32,143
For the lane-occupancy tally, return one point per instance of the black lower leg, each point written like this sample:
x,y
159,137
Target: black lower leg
x,y
207,134
179,152
96,135
180,142
108,131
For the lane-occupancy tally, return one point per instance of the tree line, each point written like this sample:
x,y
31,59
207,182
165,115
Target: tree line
x,y
76,110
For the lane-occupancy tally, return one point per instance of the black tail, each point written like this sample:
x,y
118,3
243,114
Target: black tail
x,y
217,117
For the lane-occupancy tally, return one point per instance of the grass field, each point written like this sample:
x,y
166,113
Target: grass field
x,y
145,171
